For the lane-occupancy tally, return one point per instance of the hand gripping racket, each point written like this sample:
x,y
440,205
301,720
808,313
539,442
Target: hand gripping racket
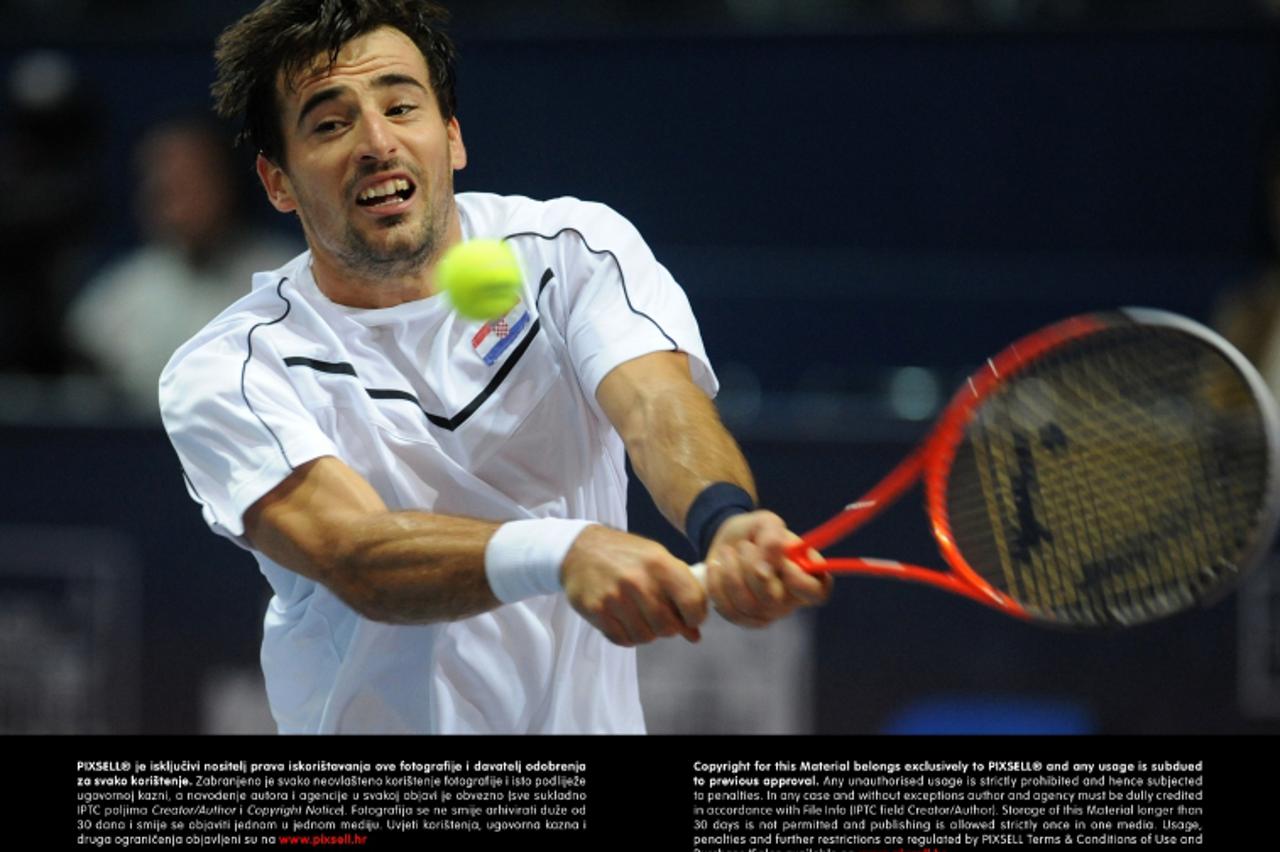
x,y
1107,470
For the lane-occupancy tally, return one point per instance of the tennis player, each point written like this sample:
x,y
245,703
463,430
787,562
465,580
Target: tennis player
x,y
439,504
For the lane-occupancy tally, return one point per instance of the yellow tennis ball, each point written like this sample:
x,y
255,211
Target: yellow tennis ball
x,y
481,277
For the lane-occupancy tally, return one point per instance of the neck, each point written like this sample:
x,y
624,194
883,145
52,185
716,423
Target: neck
x,y
360,289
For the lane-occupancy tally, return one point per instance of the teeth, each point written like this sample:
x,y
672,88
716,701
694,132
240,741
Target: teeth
x,y
387,187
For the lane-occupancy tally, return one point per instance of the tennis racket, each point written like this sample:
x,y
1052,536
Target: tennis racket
x,y
1107,470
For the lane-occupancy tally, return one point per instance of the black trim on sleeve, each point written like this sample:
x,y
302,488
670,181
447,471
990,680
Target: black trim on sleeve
x,y
288,306
675,347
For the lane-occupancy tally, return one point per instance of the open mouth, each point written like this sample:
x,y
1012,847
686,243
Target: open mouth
x,y
387,193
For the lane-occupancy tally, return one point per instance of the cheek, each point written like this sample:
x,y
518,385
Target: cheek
x,y
320,174
318,195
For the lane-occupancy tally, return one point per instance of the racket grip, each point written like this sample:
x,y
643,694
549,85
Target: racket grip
x,y
699,569
699,572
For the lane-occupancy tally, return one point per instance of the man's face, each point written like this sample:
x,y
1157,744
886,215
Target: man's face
x,y
369,159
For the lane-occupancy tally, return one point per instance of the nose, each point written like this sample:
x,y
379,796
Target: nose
x,y
377,139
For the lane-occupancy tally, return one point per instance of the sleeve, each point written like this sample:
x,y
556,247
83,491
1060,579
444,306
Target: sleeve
x,y
238,426
623,303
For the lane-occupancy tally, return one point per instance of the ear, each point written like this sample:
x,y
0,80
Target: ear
x,y
276,183
457,150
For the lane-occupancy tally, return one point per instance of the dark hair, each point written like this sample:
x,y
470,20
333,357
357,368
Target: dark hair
x,y
287,36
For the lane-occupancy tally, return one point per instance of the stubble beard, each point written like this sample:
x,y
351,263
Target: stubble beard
x,y
406,253
399,258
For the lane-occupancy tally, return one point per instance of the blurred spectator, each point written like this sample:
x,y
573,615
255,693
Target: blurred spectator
x,y
49,192
198,258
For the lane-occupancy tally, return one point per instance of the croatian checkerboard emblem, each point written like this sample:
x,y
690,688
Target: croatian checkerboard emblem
x,y
497,336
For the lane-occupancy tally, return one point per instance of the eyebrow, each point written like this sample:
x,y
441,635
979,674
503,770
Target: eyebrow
x,y
383,81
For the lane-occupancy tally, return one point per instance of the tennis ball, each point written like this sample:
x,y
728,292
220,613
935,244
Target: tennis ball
x,y
481,277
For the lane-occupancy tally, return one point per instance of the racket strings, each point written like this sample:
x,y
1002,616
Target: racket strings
x,y
1113,481
1167,510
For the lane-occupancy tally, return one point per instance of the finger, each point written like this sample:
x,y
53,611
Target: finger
x,y
773,538
795,551
690,634
671,600
808,589
770,524
739,562
762,579
613,630
659,614
634,627
689,599
779,545
714,581
734,598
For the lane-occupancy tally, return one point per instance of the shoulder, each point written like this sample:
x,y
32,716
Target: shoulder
x,y
567,219
216,353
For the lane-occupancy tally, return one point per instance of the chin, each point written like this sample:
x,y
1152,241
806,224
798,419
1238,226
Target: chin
x,y
392,260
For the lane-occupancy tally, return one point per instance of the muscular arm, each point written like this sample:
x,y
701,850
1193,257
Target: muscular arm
x,y
328,524
678,447
672,431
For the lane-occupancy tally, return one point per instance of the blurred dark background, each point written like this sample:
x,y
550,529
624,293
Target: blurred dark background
x,y
862,199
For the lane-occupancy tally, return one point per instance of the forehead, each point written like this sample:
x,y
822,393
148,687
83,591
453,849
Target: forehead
x,y
366,57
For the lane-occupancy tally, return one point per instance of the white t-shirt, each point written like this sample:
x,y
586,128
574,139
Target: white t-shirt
x,y
440,414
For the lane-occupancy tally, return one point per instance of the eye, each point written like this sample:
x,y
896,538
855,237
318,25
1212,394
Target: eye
x,y
401,109
327,126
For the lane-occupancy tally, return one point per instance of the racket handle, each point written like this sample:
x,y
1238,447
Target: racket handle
x,y
699,572
699,569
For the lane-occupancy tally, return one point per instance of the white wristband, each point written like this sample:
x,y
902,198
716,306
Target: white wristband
x,y
523,558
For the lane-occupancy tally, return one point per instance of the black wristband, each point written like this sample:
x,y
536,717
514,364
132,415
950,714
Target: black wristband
x,y
716,504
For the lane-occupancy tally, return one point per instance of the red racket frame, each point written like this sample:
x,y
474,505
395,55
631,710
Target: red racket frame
x,y
932,461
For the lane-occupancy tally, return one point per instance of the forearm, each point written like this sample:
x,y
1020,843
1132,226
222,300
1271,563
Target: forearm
x,y
672,432
328,524
679,447
414,567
